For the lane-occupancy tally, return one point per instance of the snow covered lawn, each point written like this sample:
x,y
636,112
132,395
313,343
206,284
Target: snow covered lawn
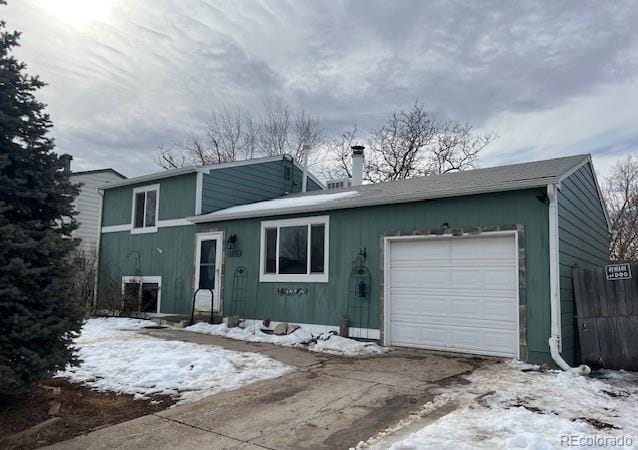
x,y
332,344
116,358
505,407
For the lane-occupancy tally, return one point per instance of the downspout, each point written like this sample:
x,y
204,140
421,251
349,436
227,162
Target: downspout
x,y
554,282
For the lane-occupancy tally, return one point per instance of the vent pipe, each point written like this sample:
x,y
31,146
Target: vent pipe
x,y
357,164
66,162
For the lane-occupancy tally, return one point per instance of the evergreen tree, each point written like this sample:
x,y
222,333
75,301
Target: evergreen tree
x,y
38,315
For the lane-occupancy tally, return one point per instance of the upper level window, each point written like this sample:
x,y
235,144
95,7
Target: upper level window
x,y
295,250
145,209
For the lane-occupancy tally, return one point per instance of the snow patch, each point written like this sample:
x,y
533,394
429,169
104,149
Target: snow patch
x,y
252,334
324,343
505,407
283,203
337,345
115,358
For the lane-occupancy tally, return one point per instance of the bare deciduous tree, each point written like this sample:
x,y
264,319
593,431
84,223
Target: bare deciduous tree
x,y
621,195
411,144
235,135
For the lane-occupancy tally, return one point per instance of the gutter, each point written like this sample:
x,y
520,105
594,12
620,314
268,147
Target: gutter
x,y
554,283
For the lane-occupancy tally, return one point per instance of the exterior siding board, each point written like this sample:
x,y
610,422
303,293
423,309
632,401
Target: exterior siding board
x,y
88,204
224,188
583,241
355,229
169,253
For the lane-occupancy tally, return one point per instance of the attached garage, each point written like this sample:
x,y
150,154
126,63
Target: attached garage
x,y
475,262
453,293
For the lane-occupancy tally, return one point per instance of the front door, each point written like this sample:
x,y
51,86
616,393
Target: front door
x,y
207,271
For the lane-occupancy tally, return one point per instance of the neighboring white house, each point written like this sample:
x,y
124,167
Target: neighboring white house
x,y
89,204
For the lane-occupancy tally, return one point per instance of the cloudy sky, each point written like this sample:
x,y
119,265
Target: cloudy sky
x,y
551,78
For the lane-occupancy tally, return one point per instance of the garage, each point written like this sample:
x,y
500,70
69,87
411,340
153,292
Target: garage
x,y
456,294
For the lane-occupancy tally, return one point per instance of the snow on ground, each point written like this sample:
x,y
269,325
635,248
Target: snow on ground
x,y
332,344
116,358
532,410
337,345
252,334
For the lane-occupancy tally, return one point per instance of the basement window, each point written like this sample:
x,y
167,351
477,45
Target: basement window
x,y
145,209
295,250
142,293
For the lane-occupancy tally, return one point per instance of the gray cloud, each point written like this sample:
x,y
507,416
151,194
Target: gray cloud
x,y
148,74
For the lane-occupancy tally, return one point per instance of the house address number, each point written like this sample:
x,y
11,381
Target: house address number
x,y
618,272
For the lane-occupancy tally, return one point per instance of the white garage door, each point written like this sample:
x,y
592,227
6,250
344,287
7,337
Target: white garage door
x,y
454,294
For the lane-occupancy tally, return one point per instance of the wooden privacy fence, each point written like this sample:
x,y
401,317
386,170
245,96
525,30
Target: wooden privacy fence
x,y
607,315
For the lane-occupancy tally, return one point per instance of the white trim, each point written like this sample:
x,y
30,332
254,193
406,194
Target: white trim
x,y
145,279
199,192
210,236
146,189
173,223
295,278
387,256
316,329
117,228
97,247
144,230
160,224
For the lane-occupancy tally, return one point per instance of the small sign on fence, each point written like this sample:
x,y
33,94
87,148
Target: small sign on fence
x,y
618,272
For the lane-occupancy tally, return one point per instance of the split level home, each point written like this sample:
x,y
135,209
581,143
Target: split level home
x,y
477,262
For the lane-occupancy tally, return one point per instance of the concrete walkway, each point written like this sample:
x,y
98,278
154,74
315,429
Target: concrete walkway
x,y
329,402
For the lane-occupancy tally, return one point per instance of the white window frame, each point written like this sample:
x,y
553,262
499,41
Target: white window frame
x,y
145,189
295,278
141,279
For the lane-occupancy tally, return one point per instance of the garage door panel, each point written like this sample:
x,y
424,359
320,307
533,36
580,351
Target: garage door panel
x,y
415,305
415,276
417,335
456,306
461,296
496,248
416,251
447,322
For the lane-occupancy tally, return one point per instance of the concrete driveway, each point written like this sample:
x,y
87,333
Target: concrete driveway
x,y
329,402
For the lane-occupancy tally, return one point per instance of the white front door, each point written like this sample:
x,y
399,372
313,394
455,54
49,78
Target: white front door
x,y
207,270
454,294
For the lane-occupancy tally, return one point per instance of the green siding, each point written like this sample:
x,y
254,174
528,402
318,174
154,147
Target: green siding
x,y
583,241
176,200
169,253
353,229
231,186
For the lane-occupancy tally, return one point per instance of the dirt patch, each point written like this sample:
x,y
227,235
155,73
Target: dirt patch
x,y
377,419
454,380
598,424
82,410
